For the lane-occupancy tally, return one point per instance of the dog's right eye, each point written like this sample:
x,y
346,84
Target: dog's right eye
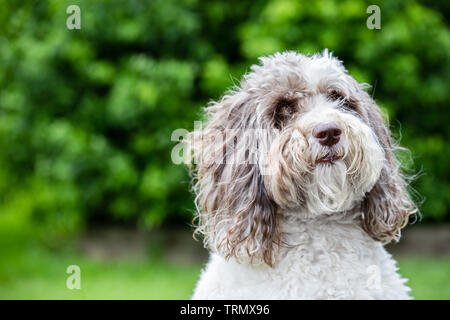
x,y
284,110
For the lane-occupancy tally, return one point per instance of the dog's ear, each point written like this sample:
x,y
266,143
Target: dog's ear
x,y
235,214
387,207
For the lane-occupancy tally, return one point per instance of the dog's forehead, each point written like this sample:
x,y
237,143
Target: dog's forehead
x,y
316,71
292,70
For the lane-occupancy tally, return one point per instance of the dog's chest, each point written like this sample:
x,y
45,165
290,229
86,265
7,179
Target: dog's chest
x,y
323,269
329,264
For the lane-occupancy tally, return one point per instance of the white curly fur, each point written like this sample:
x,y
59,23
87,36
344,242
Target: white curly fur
x,y
281,224
326,260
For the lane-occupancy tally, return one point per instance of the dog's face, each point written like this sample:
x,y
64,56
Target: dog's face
x,y
325,154
299,135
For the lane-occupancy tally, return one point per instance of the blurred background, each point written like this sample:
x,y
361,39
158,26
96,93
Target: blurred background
x,y
86,118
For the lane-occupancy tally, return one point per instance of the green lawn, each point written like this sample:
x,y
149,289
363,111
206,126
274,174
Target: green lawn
x,y
429,278
40,275
29,271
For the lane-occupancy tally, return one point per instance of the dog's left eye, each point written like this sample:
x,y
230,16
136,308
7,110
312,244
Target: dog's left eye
x,y
335,95
284,111
346,102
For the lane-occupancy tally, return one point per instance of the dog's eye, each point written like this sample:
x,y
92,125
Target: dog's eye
x,y
345,101
283,112
335,95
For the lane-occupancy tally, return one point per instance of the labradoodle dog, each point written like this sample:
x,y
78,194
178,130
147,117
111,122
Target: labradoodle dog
x,y
297,187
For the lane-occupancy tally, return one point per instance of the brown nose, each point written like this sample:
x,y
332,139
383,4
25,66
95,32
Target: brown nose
x,y
328,133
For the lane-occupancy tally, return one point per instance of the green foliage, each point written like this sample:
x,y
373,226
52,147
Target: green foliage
x,y
86,115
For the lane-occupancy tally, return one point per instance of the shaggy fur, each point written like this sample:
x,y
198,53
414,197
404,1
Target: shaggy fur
x,y
280,221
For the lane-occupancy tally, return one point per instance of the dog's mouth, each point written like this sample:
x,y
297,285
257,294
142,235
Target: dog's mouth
x,y
329,158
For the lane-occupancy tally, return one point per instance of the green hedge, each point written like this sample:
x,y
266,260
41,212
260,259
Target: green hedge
x,y
86,115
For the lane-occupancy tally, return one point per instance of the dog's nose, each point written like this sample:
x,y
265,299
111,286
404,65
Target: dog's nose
x,y
328,133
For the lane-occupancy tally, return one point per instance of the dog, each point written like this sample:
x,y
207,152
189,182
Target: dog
x,y
297,187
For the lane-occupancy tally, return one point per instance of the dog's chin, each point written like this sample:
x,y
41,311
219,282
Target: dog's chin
x,y
328,160
330,190
328,156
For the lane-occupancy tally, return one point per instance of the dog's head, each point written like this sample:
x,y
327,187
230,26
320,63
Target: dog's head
x,y
298,135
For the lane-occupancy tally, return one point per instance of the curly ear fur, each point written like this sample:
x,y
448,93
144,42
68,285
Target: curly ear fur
x,y
387,207
234,212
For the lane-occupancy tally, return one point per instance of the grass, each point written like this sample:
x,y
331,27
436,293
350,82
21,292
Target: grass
x,y
30,271
429,278
47,280
41,276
